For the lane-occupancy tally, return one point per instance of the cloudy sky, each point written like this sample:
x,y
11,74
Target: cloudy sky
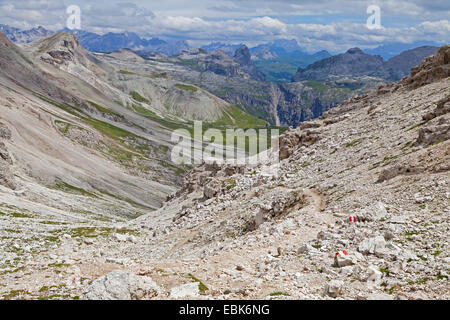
x,y
334,25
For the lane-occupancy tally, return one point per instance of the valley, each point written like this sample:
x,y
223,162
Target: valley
x,y
93,205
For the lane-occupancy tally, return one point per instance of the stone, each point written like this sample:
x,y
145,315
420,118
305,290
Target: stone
x,y
346,271
334,288
380,296
345,260
374,276
389,235
5,132
306,249
211,189
255,221
122,285
185,290
372,245
431,135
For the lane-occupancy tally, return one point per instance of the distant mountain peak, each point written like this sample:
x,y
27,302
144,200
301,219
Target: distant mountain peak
x,y
243,56
355,50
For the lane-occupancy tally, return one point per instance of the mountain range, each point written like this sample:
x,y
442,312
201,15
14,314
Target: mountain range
x,y
278,60
355,62
100,43
277,82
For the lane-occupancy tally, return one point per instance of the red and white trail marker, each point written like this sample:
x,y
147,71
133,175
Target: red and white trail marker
x,y
342,253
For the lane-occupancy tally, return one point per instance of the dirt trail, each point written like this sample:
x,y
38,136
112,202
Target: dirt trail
x,y
318,201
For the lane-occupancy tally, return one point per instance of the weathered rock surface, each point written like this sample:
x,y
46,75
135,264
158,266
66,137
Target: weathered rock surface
x,y
431,69
122,285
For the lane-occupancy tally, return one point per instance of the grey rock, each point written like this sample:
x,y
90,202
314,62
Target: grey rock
x,y
372,245
122,285
344,261
334,288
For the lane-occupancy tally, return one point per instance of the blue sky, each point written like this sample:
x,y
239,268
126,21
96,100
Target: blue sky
x,y
316,24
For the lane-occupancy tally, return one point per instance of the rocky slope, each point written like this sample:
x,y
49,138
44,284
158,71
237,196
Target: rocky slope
x,y
84,145
356,209
219,62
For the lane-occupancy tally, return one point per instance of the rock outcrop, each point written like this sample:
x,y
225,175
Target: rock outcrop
x,y
294,139
432,69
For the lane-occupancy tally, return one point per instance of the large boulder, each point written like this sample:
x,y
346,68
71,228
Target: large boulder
x,y
372,245
432,135
334,288
122,285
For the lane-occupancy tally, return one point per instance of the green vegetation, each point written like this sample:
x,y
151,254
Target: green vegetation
x,y
342,196
20,215
384,271
201,286
126,72
63,186
186,87
93,232
317,85
104,110
437,252
279,293
231,183
353,143
415,126
305,164
282,69
136,96
142,110
14,294
236,118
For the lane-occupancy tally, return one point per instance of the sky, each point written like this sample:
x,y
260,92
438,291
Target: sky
x,y
316,24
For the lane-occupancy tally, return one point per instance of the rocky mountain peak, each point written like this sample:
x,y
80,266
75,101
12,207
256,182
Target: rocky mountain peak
x,y
355,51
58,49
243,56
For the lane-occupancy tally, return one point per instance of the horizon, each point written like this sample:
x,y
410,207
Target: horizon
x,y
315,25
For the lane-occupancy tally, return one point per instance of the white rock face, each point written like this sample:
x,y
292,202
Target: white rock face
x,y
372,245
122,285
185,290
374,276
